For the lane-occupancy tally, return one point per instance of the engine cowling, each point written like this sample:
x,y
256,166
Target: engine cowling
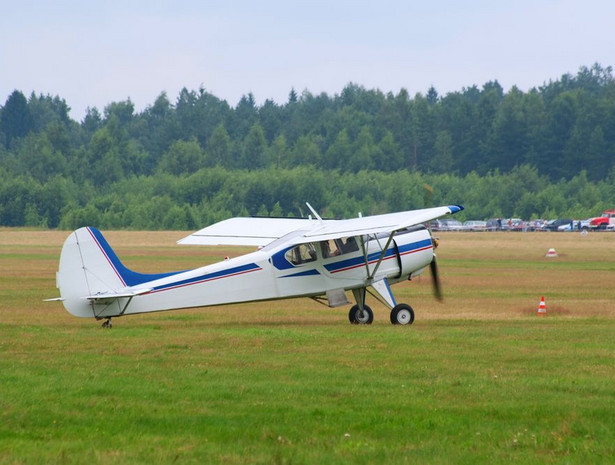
x,y
415,250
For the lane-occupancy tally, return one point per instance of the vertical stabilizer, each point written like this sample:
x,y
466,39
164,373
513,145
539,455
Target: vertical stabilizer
x,y
86,269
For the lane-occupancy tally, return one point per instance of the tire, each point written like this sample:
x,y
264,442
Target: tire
x,y
355,318
402,314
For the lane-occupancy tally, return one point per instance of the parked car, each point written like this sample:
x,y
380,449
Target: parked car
x,y
475,225
584,225
518,225
554,225
576,225
536,225
494,224
450,225
572,226
434,225
511,224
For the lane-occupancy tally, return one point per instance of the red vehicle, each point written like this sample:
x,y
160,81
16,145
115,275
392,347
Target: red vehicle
x,y
604,221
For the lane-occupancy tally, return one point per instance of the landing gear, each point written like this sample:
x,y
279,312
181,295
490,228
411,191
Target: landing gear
x,y
107,323
402,314
361,314
361,317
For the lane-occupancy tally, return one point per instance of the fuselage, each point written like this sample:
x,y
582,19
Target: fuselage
x,y
281,270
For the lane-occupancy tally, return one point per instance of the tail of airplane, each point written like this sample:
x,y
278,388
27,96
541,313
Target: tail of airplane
x,y
91,275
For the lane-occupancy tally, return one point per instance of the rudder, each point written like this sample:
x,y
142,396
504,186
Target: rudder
x,y
85,270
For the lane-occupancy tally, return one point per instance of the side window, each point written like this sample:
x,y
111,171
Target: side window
x,y
334,247
329,248
303,253
349,244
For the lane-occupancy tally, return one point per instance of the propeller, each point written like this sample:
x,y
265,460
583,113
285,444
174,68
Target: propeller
x,y
437,290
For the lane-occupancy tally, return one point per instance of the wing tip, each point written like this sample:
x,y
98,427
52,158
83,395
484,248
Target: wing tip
x,y
455,208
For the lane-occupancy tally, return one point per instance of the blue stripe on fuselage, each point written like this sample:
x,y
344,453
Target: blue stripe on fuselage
x,y
132,278
415,246
302,273
345,265
229,272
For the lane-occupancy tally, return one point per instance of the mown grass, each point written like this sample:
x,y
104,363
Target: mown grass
x,y
479,379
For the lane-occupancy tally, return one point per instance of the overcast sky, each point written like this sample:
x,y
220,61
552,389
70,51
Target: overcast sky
x,y
93,53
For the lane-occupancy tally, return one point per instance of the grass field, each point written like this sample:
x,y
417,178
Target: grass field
x,y
477,379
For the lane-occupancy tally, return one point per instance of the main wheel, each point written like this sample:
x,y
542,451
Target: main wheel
x,y
402,314
357,317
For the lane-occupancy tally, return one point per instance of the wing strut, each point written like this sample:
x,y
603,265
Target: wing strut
x,y
370,276
381,257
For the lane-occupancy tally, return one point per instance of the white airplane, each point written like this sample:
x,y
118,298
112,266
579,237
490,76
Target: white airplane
x,y
316,258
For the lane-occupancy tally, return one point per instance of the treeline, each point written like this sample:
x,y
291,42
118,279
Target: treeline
x,y
190,162
165,201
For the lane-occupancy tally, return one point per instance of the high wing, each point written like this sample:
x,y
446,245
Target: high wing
x,y
247,231
262,231
387,223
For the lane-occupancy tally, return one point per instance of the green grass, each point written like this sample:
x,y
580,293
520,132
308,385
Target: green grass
x,y
293,382
500,265
195,392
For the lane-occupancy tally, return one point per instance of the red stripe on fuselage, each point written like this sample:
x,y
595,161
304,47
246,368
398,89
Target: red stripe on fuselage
x,y
384,259
178,286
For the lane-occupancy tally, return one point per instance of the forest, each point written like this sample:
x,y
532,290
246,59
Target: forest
x,y
186,163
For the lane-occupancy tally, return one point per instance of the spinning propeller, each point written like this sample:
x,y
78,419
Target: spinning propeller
x,y
437,290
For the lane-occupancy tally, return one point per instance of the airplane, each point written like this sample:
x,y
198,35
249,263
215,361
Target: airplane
x,y
296,257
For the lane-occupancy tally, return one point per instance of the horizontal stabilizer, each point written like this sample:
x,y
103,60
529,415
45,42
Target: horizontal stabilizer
x,y
107,296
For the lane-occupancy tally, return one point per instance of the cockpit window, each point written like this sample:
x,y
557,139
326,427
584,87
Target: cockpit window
x,y
330,248
349,244
335,247
302,253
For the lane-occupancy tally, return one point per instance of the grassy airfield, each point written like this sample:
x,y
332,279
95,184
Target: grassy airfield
x,y
477,379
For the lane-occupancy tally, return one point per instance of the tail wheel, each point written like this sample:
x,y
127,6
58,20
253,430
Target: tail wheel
x,y
402,314
358,317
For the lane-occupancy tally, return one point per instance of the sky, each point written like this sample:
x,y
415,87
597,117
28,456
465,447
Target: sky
x,y
92,53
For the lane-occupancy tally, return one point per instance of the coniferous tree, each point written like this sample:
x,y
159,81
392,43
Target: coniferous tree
x,y
15,120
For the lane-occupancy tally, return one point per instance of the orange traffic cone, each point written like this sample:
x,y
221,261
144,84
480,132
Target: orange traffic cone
x,y
542,308
551,253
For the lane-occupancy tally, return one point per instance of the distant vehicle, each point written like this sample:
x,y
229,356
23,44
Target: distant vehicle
x,y
536,225
604,221
450,225
518,225
434,225
569,227
584,225
494,224
554,225
511,224
475,225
